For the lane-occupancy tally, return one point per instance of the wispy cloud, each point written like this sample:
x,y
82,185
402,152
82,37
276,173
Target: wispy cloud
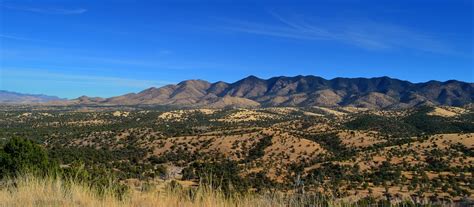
x,y
80,80
47,10
14,37
77,59
365,34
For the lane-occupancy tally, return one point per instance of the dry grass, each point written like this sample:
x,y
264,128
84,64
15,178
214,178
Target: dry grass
x,y
33,191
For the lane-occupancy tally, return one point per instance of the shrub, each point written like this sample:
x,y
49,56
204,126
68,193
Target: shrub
x,y
23,156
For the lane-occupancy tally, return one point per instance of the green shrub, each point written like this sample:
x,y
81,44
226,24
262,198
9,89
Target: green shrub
x,y
23,156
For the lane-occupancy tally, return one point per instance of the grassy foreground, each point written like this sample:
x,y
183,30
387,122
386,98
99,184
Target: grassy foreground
x,y
34,191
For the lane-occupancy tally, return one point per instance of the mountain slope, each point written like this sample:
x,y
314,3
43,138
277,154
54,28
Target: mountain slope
x,y
382,92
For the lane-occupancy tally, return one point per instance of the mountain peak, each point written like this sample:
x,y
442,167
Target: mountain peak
x,y
252,77
193,81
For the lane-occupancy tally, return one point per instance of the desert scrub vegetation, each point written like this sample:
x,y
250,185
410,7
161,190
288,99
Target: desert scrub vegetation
x,y
303,154
31,178
20,157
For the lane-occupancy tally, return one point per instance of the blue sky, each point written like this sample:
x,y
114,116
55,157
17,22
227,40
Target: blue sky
x,y
106,48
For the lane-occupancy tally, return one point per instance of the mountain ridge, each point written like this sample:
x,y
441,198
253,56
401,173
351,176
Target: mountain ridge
x,y
15,97
377,92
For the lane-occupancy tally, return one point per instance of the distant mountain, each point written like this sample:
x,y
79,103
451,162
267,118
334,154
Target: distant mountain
x,y
382,92
19,98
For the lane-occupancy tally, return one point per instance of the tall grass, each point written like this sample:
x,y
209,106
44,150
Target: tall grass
x,y
34,191
25,191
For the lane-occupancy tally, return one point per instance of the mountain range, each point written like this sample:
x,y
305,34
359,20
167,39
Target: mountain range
x,y
381,92
18,98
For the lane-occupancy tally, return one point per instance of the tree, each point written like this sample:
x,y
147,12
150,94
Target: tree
x,y
23,156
